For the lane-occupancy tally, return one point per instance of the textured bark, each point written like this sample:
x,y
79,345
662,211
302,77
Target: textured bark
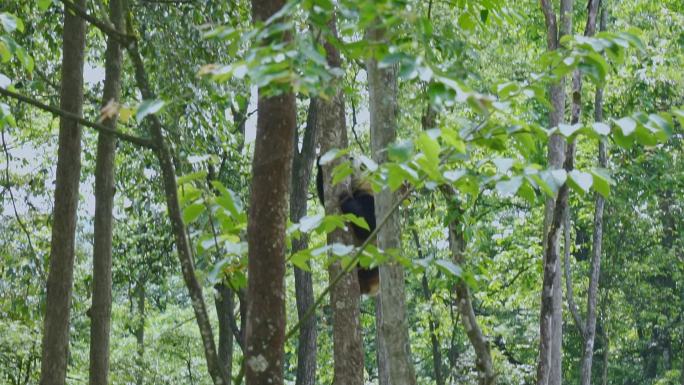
x,y
270,189
391,322
104,197
271,178
301,174
168,171
590,326
550,355
225,305
344,296
483,362
55,348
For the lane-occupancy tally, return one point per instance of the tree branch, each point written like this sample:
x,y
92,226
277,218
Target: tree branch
x,y
143,142
103,26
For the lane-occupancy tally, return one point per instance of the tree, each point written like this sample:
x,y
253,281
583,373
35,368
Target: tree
x,y
394,353
301,174
551,319
344,294
271,179
60,276
104,195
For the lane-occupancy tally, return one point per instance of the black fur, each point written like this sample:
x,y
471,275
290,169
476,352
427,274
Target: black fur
x,y
362,204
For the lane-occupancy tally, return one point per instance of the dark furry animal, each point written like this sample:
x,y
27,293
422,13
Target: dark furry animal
x,y
360,202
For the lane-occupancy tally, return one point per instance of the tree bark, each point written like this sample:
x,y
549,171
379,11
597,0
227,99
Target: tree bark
x,y
270,189
592,294
104,198
344,296
457,246
55,348
550,355
225,305
301,174
391,322
168,171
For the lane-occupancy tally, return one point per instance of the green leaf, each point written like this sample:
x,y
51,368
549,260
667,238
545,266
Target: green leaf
x,y
509,187
358,221
341,250
44,5
192,212
580,181
466,22
449,267
148,107
527,192
567,130
627,125
601,128
309,223
226,199
10,22
301,259
429,146
193,176
503,164
602,181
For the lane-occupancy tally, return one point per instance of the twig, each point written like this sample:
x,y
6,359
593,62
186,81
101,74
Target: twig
x,y
14,205
143,142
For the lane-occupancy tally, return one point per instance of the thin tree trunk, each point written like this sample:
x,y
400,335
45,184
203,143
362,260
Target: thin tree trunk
x,y
104,197
301,174
344,296
391,322
140,331
592,294
606,354
225,305
551,330
270,189
432,322
55,348
483,362
163,153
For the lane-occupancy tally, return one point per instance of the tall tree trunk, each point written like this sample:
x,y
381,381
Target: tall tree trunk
x,y
606,355
104,197
457,246
592,294
168,171
344,296
140,330
225,306
551,329
391,322
270,189
55,350
301,174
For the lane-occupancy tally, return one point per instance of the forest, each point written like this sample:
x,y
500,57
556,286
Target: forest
x,y
348,192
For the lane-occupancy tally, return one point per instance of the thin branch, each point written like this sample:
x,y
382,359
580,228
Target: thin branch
x,y
143,142
14,205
